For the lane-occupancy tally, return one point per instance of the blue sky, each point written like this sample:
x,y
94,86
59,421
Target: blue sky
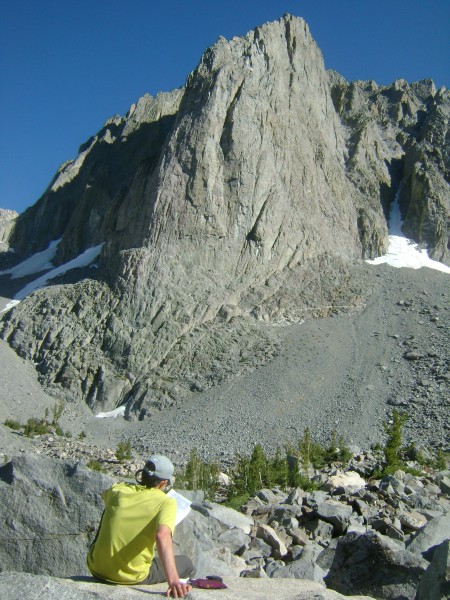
x,y
66,66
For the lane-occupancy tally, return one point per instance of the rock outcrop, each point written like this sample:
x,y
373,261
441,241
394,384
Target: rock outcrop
x,y
16,586
51,510
397,140
238,201
7,222
435,584
331,537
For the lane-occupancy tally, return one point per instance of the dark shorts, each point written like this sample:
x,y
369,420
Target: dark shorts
x,y
156,574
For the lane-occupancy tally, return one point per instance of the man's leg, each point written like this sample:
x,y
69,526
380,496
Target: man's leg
x,y
185,566
185,569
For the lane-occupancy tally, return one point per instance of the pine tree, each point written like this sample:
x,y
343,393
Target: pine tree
x,y
192,470
305,450
199,475
345,454
441,461
258,475
394,441
278,470
332,450
240,472
311,453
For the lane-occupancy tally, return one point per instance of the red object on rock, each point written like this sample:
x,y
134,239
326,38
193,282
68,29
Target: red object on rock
x,y
208,584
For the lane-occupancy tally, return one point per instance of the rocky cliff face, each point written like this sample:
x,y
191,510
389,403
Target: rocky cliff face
x,y
232,204
397,138
7,220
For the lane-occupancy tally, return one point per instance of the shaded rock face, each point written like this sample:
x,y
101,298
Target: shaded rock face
x,y
82,204
233,203
397,573
50,512
436,581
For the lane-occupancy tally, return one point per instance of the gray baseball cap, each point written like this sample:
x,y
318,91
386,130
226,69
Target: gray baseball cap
x,y
160,466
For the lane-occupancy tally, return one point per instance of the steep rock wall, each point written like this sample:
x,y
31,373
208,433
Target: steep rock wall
x,y
397,137
83,204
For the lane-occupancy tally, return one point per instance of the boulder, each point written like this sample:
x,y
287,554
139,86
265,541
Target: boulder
x,y
321,530
394,533
219,560
435,532
444,484
305,567
272,566
299,536
263,547
50,512
435,584
270,536
285,515
412,520
392,485
315,498
296,496
271,496
234,539
196,536
372,564
420,501
336,513
225,516
350,482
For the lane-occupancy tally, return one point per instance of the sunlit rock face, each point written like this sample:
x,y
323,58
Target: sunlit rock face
x,y
233,203
7,218
397,138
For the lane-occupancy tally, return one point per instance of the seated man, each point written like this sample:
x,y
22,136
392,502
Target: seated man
x,y
135,519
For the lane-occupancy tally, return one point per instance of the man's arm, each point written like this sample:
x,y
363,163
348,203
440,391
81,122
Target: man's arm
x,y
166,555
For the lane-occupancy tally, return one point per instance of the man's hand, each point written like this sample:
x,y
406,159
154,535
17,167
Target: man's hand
x,y
178,590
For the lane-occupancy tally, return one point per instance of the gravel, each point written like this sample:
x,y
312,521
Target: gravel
x,y
346,372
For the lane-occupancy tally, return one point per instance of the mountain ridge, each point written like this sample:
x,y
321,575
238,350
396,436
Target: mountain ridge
x,y
242,199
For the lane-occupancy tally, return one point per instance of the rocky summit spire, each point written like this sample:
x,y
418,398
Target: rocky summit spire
x,y
232,203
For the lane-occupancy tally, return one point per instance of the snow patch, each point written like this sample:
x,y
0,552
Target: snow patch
x,y
10,305
41,261
403,252
83,260
117,412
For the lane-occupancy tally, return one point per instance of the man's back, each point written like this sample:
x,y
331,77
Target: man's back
x,y
124,546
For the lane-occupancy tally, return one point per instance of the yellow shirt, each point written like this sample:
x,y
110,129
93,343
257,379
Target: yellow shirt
x,y
125,544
